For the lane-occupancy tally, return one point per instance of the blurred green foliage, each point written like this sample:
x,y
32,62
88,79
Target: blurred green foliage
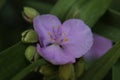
x,y
12,24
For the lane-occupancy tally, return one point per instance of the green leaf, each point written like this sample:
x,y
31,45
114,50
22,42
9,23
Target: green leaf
x,y
12,61
112,17
115,5
89,11
104,64
116,71
61,8
28,69
38,5
107,30
109,25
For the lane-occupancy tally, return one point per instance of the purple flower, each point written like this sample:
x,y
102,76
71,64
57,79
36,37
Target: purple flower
x,y
62,43
100,46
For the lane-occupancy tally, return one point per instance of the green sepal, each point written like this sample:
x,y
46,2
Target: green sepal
x,y
29,36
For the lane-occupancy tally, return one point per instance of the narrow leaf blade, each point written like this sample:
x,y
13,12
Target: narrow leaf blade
x,y
108,31
12,61
116,71
28,69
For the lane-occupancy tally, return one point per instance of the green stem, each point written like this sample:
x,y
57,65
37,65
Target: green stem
x,y
27,70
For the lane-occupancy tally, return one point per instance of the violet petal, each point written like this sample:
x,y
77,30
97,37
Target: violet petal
x,y
43,24
55,55
79,35
100,46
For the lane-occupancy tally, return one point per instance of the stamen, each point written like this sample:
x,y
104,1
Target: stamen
x,y
65,40
51,39
53,27
48,33
58,26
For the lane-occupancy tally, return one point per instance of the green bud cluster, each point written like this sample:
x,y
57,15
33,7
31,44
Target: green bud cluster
x,y
29,37
63,72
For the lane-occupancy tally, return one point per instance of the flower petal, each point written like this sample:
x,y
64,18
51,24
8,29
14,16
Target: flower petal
x,y
55,55
100,47
79,35
43,25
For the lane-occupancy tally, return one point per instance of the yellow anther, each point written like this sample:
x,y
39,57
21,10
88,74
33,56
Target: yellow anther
x,y
48,33
53,27
58,26
65,39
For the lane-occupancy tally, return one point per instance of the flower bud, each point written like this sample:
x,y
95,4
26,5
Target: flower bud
x,y
29,36
29,13
31,53
48,70
66,72
79,67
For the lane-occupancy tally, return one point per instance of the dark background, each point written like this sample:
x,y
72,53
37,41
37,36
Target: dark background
x,y
12,22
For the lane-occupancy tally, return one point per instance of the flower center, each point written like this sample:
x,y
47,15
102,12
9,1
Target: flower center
x,y
57,37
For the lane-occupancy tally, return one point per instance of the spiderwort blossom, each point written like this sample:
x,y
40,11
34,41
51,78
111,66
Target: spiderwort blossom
x,y
62,43
100,46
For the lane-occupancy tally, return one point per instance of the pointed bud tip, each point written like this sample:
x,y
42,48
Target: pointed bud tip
x,y
29,13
